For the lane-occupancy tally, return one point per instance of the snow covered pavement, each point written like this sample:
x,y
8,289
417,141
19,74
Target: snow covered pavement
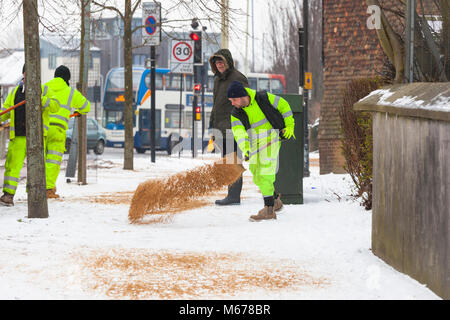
x,y
87,249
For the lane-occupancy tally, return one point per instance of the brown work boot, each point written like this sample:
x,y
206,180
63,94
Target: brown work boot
x,y
278,205
51,194
265,214
7,199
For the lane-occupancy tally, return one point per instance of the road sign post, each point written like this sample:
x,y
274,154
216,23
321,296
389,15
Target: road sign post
x,y
151,36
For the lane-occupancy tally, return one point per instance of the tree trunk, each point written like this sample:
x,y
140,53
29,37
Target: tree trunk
x,y
36,185
128,65
391,43
84,56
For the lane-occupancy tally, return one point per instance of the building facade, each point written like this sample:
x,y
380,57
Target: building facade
x,y
107,34
351,50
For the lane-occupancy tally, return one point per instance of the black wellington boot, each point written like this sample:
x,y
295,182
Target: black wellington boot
x,y
234,194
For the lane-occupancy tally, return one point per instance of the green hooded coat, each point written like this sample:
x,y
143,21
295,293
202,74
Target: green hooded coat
x,y
221,111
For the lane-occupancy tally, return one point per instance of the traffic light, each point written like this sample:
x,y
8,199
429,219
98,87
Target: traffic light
x,y
198,114
196,36
197,88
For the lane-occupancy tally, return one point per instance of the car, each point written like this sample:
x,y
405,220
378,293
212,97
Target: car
x,y
96,137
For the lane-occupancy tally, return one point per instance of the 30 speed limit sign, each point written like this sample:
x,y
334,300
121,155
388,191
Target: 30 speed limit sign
x,y
182,57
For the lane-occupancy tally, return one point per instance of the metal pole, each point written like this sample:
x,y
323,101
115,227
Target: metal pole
x,y
306,92
194,122
153,106
253,37
181,106
204,77
246,42
409,54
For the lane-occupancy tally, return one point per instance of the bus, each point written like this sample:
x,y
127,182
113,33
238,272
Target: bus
x,y
173,121
113,104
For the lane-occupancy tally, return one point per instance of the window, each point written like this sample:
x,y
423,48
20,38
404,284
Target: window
x,y
52,61
188,120
189,80
116,80
207,117
91,125
252,83
173,81
210,86
158,82
263,84
139,59
276,86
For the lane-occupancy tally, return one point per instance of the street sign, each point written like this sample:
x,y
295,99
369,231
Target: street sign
x,y
151,20
182,56
308,80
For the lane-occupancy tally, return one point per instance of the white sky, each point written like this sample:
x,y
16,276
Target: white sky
x,y
11,24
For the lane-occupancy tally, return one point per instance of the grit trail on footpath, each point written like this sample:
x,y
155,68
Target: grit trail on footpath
x,y
147,274
161,196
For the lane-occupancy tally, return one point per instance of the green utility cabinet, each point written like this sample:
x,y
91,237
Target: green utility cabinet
x,y
289,178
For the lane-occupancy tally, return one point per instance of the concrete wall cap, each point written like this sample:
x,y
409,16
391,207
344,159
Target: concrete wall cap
x,y
423,100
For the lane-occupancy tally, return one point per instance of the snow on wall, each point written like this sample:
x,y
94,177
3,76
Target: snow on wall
x,y
438,103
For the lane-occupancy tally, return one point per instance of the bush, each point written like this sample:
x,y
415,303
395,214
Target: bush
x,y
356,137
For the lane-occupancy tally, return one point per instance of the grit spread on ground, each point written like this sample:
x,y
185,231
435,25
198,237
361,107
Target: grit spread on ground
x,y
88,249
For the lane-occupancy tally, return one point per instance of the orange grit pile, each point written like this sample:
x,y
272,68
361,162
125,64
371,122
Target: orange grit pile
x,y
156,197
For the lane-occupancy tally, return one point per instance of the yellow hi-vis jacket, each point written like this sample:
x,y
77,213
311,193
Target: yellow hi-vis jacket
x,y
48,102
70,100
261,133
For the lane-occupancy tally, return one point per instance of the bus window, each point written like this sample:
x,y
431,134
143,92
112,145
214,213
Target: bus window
x,y
173,81
113,120
207,117
188,120
263,84
210,86
172,119
252,83
189,83
158,82
276,86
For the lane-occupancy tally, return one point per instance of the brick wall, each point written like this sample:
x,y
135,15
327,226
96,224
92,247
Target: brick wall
x,y
351,50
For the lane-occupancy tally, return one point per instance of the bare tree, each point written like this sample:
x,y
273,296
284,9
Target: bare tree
x,y
127,18
284,48
431,62
212,14
37,199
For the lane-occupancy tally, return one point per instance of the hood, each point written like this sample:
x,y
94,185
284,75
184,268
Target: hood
x,y
226,56
57,84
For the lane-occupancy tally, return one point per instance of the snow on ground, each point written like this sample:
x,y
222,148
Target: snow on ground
x,y
89,250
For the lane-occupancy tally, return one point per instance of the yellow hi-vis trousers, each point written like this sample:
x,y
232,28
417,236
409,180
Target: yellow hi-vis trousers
x,y
264,167
56,145
17,152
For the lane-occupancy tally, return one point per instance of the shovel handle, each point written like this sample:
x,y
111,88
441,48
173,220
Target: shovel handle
x,y
13,107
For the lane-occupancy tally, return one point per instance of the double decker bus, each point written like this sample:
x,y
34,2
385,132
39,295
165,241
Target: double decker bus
x,y
173,107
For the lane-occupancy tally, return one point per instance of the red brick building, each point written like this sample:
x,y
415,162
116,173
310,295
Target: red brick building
x,y
351,50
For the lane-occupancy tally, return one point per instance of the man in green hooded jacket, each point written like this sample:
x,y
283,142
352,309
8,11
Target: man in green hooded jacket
x,y
222,65
71,100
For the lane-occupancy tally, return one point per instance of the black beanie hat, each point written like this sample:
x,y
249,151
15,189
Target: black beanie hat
x,y
236,90
63,72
